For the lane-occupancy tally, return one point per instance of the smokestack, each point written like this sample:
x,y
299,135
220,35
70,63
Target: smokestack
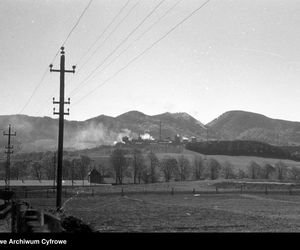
x,y
160,130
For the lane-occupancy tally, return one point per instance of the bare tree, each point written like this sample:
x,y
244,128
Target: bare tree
x,y
67,169
119,164
227,170
48,165
85,162
199,168
294,173
168,167
37,170
18,169
184,168
138,165
154,164
214,168
254,170
267,170
281,170
241,174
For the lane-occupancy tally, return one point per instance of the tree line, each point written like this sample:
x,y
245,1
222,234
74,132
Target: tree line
x,y
144,167
239,147
149,169
42,166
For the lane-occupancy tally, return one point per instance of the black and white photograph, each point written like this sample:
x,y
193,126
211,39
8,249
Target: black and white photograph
x,y
148,116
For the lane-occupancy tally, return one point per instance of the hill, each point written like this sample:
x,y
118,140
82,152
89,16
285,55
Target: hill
x,y
40,133
242,125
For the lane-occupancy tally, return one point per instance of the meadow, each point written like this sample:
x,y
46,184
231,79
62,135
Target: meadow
x,y
193,206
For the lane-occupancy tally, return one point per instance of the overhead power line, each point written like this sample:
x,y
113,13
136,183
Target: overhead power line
x,y
47,69
143,52
137,39
109,35
78,20
103,32
120,44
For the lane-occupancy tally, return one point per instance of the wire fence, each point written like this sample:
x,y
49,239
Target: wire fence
x,y
29,192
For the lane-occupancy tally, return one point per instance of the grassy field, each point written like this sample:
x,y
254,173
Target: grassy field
x,y
189,213
153,208
238,162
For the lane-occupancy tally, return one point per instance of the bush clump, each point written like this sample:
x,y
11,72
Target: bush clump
x,y
74,225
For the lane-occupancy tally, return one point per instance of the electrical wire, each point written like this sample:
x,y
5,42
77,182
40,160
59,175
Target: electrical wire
x,y
119,45
46,71
78,20
143,52
137,39
103,32
109,35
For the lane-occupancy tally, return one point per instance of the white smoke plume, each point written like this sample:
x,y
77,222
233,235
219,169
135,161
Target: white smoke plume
x,y
95,135
147,136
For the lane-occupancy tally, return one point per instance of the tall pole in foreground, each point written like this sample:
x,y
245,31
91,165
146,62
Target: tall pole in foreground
x,y
8,152
54,169
61,114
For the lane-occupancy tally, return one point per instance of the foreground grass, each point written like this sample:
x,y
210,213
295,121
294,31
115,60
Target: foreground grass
x,y
188,213
153,208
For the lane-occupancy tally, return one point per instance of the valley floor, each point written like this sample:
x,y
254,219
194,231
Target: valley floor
x,y
145,211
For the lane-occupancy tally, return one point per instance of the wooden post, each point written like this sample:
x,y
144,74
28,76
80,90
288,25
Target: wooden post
x,y
194,191
42,218
216,189
13,217
61,114
122,193
241,189
172,192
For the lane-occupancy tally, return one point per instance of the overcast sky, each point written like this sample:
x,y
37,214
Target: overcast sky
x,y
230,55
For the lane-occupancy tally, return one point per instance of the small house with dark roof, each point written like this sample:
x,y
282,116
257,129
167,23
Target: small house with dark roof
x,y
95,177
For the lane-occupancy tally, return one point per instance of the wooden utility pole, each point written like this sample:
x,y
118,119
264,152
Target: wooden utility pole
x,y
61,114
54,168
8,152
159,130
73,165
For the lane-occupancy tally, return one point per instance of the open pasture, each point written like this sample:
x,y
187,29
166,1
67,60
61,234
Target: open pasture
x,y
241,162
189,213
154,208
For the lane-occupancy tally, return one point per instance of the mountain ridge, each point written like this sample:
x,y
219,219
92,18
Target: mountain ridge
x,y
40,133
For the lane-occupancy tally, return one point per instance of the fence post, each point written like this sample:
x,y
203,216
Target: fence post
x,y
172,192
216,189
13,217
241,188
193,190
122,193
42,221
25,192
19,219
